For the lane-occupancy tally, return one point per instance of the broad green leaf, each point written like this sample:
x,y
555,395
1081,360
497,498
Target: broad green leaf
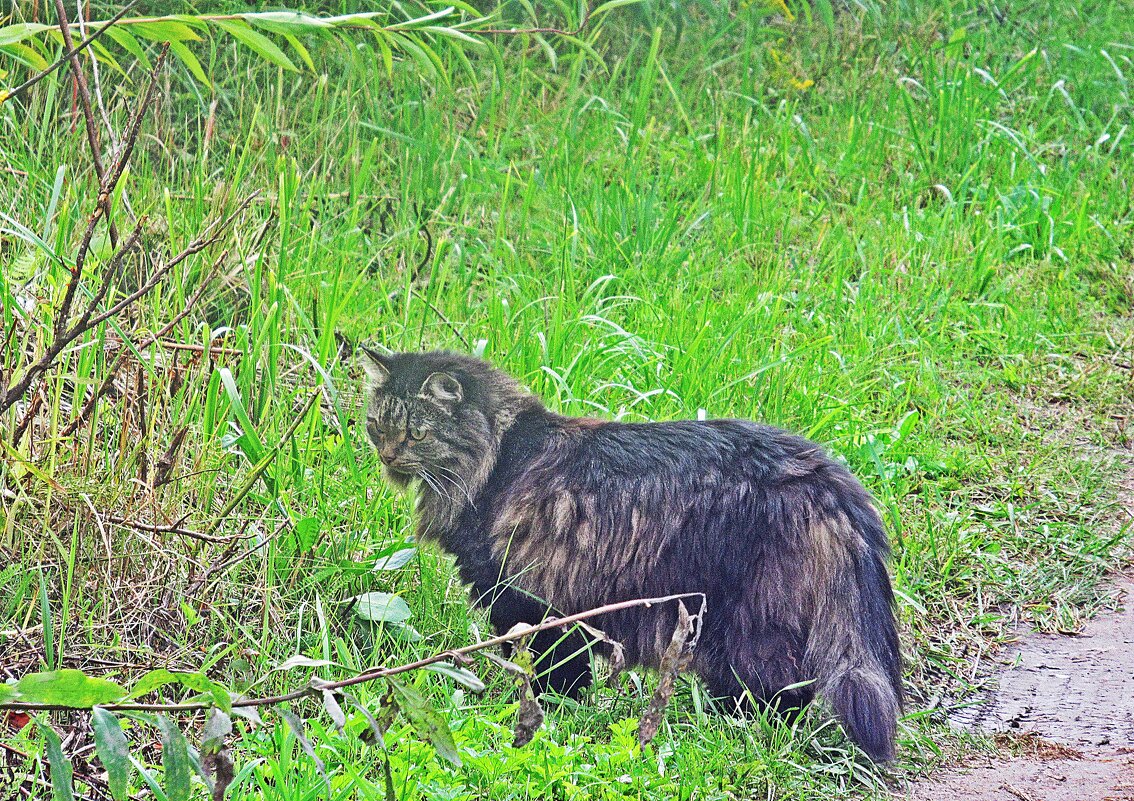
x,y
408,45
396,560
7,692
405,632
249,440
161,677
307,531
462,676
220,696
258,42
113,751
185,55
387,53
422,55
298,47
10,34
174,760
129,43
381,607
427,721
26,54
165,30
61,770
71,688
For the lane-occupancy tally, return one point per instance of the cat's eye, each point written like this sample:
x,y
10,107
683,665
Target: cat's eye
x,y
417,433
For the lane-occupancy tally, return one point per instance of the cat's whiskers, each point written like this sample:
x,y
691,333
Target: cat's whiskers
x,y
450,475
434,484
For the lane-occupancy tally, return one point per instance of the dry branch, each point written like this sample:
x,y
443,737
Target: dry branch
x,y
88,114
317,686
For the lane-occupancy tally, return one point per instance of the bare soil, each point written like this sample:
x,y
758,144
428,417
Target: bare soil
x,y
1062,713
1067,706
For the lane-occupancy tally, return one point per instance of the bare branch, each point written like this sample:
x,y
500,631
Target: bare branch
x,y
88,114
318,687
112,369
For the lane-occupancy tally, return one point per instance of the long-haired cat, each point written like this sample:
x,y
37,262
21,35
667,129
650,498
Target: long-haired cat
x,y
553,514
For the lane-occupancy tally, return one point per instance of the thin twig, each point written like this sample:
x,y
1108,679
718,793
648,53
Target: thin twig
x,y
112,369
318,687
439,313
168,529
517,31
88,114
89,320
63,59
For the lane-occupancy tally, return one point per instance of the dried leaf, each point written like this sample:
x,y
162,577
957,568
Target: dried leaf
x,y
217,762
218,767
331,704
530,716
299,660
249,713
501,662
617,662
427,721
217,728
676,659
296,725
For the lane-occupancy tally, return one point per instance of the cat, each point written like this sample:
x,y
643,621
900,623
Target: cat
x,y
548,514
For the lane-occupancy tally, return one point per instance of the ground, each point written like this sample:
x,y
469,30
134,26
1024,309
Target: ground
x,y
905,231
1064,706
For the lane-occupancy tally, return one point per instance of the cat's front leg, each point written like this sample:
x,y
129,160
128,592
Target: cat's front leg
x,y
561,658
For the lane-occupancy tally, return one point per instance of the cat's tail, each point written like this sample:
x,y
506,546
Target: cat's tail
x,y
852,648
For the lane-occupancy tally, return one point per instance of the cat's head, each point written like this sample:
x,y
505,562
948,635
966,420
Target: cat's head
x,y
439,417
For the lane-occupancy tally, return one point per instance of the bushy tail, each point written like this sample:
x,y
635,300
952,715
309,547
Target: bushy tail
x,y
853,646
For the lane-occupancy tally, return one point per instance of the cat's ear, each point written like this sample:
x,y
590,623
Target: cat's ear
x,y
443,388
377,372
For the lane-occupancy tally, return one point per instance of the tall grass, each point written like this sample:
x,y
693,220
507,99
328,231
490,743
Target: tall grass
x,y
922,261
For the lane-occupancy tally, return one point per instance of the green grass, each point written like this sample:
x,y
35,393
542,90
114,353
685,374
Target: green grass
x,y
923,262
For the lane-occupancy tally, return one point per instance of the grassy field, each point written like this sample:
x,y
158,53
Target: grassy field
x,y
908,235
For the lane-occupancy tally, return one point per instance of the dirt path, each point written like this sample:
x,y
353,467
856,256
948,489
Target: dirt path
x,y
1069,701
1076,695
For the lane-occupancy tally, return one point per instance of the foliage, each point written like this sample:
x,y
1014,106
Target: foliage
x,y
919,261
266,34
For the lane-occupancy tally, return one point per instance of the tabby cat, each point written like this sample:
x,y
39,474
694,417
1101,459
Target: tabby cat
x,y
549,514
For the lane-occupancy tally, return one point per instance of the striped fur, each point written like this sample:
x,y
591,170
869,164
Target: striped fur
x,y
545,512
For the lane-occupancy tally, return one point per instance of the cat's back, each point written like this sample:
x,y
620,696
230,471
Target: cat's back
x,y
679,452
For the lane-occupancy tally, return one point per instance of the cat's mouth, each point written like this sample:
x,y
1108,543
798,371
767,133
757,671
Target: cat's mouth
x,y
399,478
